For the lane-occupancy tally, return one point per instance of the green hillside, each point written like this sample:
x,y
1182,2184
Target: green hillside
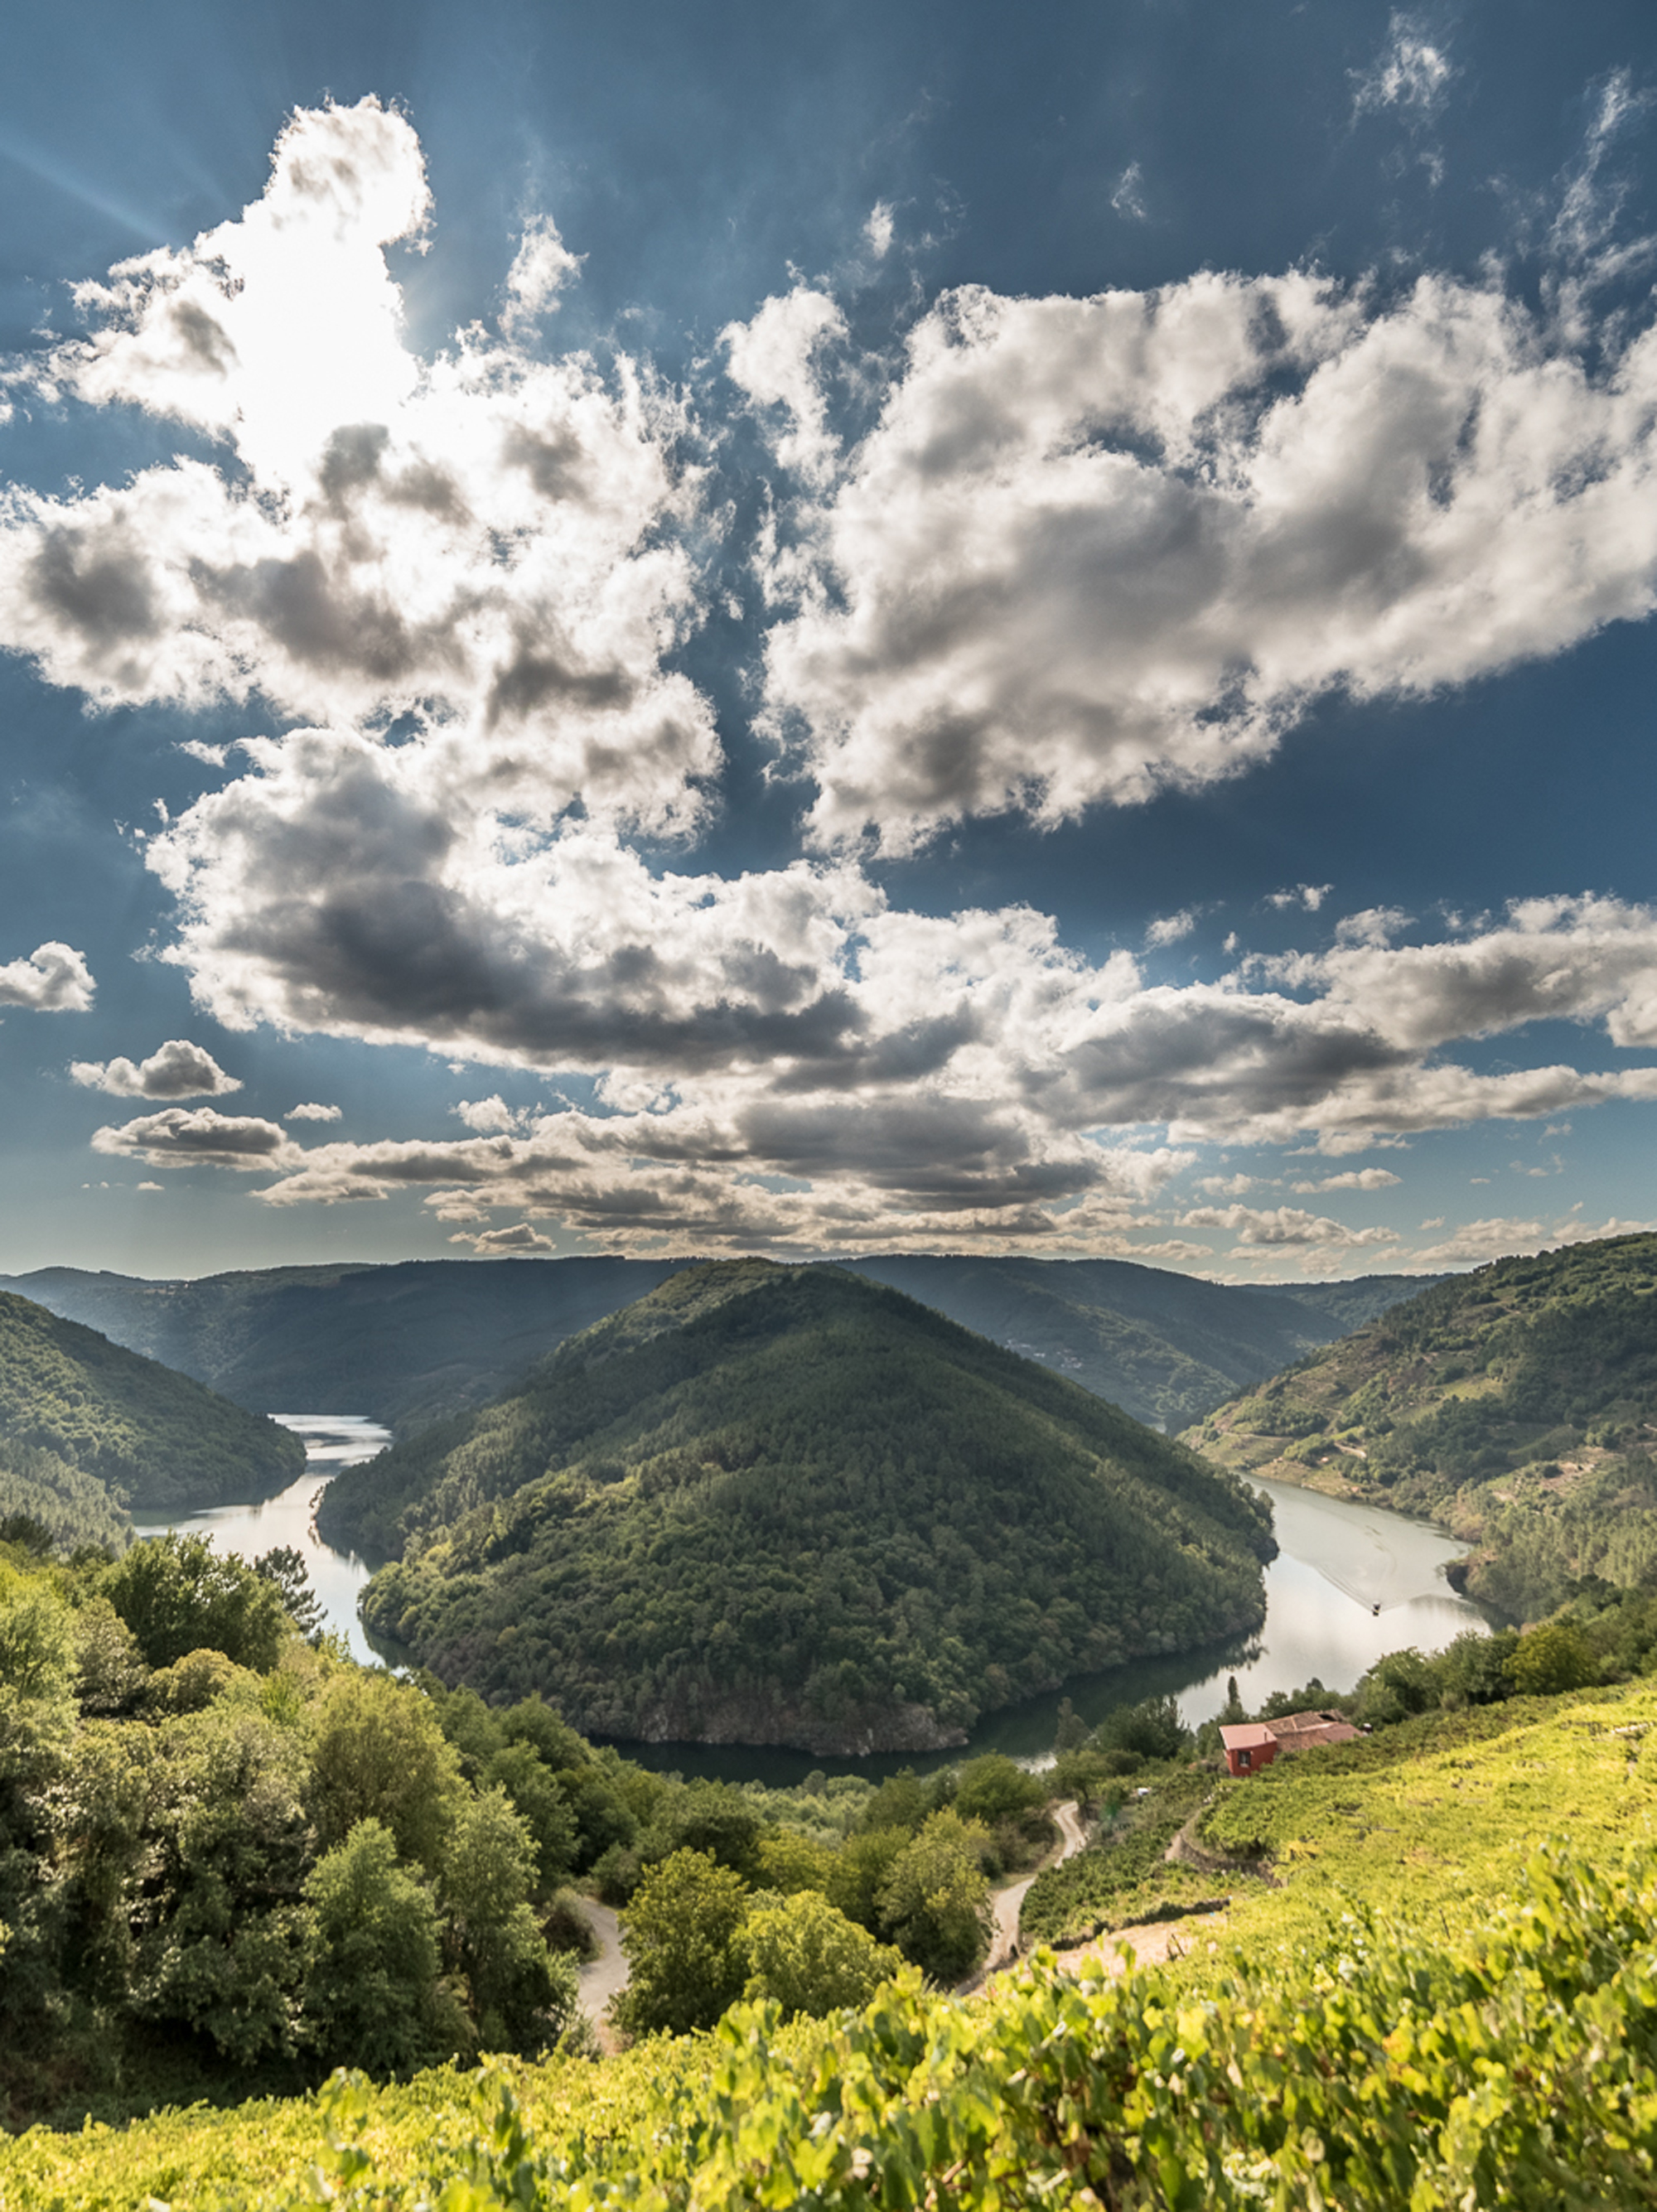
x,y
410,1343
783,1504
146,1435
1518,1406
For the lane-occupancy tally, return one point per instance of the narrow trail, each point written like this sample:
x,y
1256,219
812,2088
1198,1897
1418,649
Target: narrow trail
x,y
604,1977
1009,1903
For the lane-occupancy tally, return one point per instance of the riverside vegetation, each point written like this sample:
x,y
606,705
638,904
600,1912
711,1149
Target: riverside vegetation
x,y
87,1428
1516,1406
927,1526
1444,1996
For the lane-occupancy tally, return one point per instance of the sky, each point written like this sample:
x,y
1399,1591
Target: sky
x,y
704,627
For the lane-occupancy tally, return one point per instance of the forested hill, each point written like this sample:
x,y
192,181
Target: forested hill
x,y
1517,1405
86,1425
786,1505
407,1343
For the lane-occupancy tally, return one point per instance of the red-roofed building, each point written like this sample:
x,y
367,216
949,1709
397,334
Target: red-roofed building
x,y
1254,1744
1249,1745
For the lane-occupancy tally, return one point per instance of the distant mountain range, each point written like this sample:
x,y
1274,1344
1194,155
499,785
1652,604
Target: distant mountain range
x,y
772,1504
409,1342
1517,1405
88,1427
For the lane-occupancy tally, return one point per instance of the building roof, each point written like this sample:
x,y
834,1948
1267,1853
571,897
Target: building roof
x,y
1297,1731
1247,1735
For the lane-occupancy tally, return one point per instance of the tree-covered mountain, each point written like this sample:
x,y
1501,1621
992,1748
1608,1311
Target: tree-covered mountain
x,y
73,1404
1517,1405
407,1343
785,1505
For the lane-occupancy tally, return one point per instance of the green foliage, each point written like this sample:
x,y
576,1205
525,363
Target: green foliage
x,y
805,1957
77,1405
1516,1405
995,1788
69,1507
1552,1658
370,1990
935,1902
929,1526
520,1998
285,1570
379,1754
178,1594
681,1933
1123,1876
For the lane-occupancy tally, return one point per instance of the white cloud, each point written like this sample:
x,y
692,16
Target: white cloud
x,y
770,359
53,980
485,542
1094,548
1352,1179
178,1137
312,1112
499,1241
1129,199
1473,1242
178,1069
542,267
1309,897
1169,928
1410,72
487,1114
152,1186
879,229
1376,924
1281,1225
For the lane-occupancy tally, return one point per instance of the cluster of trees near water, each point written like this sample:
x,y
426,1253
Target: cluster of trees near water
x,y
87,1428
1517,1405
231,1858
927,1527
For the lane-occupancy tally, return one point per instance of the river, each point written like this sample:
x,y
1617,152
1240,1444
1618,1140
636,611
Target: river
x,y
332,1441
1349,1583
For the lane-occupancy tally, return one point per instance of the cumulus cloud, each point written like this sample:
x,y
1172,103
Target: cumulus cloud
x,y
312,1112
542,267
498,1243
1089,547
1352,1179
178,1069
1277,1226
485,542
53,980
1095,548
205,1138
1169,928
771,360
487,1114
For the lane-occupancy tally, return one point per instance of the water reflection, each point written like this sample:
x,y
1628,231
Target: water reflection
x,y
1349,1583
332,1441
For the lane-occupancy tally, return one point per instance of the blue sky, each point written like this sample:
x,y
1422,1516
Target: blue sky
x,y
712,628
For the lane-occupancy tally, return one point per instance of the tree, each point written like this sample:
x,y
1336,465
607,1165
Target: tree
x,y
285,1570
1151,1729
936,1903
812,1958
381,1755
1549,1659
521,1998
862,1867
372,1997
996,1788
680,1935
544,1806
178,1594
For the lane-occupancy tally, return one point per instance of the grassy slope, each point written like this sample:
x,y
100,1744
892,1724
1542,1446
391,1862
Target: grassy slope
x,y
922,1523
1436,1837
1517,1405
154,1437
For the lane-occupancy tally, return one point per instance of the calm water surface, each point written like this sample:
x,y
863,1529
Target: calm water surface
x,y
332,1441
1337,1563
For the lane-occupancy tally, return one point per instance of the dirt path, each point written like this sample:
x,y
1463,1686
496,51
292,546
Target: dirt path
x,y
1004,1942
1151,1946
604,1977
